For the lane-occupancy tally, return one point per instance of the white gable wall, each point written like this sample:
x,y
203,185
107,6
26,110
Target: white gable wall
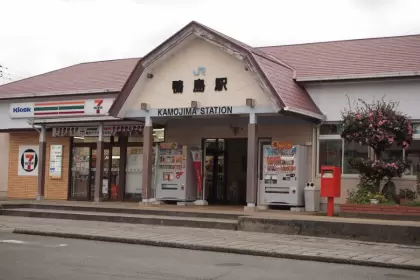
x,y
332,98
180,66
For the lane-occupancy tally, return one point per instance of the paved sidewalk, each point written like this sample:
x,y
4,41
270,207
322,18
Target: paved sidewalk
x,y
262,244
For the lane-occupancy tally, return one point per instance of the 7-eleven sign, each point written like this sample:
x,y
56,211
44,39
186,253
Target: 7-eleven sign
x,y
98,105
28,161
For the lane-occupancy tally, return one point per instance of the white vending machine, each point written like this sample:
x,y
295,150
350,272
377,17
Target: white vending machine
x,y
285,171
174,173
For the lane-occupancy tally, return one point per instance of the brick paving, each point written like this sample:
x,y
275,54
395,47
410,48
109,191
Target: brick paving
x,y
265,244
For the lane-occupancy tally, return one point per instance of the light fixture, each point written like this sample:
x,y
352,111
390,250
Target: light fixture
x,y
79,137
145,106
250,102
149,75
195,104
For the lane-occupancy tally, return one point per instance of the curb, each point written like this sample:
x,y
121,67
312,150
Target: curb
x,y
214,249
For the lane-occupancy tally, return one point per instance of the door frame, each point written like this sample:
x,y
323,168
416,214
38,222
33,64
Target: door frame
x,y
225,157
93,146
261,142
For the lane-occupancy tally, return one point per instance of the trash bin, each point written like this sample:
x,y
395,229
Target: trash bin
x,y
312,197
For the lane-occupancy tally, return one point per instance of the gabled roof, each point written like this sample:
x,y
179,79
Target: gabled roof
x,y
94,77
352,59
275,76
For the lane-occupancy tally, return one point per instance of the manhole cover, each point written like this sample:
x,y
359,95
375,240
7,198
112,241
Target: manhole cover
x,y
228,264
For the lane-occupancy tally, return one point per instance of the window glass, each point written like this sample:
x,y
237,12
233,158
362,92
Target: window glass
x,y
158,136
353,150
87,139
330,152
330,129
416,128
412,155
393,153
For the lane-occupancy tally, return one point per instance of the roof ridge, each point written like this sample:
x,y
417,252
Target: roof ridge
x,y
109,60
66,67
250,48
342,40
274,59
42,74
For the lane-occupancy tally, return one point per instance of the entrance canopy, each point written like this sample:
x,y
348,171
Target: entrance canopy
x,y
201,72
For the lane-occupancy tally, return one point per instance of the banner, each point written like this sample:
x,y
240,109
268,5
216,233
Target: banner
x,y
196,156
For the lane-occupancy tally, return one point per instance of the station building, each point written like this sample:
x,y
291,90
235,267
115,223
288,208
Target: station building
x,y
88,131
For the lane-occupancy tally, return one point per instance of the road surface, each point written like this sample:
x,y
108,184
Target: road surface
x,y
44,258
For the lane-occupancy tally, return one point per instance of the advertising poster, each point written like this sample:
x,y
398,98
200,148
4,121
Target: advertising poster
x,y
56,161
28,160
196,156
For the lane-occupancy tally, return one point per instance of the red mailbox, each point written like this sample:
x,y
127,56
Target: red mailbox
x,y
330,185
330,181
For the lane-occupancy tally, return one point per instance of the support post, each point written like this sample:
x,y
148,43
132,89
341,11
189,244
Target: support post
x,y
147,161
41,163
252,164
330,206
314,149
99,174
123,165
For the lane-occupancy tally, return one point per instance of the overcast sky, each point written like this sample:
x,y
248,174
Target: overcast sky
x,y
37,36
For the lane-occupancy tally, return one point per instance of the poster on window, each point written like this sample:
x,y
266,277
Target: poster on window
x,y
56,161
28,160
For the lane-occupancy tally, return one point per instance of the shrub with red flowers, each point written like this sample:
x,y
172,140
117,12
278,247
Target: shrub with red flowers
x,y
378,125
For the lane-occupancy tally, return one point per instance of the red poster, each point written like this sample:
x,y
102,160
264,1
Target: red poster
x,y
196,155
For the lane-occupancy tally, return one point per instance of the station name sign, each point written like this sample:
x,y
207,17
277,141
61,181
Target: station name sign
x,y
216,110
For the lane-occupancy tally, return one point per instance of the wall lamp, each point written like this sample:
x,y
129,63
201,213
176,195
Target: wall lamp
x,y
250,102
145,106
195,104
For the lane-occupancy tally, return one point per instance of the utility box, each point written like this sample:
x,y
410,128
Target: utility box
x,y
330,181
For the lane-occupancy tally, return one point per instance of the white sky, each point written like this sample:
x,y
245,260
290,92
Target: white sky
x,y
37,36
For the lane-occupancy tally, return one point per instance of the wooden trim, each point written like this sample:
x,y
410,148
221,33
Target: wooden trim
x,y
122,173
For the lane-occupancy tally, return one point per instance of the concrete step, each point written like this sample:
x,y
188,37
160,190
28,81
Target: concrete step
x,y
126,210
196,222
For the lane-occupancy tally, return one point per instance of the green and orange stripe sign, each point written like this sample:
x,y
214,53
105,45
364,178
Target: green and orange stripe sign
x,y
59,108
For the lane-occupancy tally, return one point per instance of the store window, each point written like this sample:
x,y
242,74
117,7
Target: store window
x,y
133,175
332,150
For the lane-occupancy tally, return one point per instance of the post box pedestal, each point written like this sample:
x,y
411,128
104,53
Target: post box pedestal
x,y
330,186
330,206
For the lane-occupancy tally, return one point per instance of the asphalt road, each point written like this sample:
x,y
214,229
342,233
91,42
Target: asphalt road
x,y
33,257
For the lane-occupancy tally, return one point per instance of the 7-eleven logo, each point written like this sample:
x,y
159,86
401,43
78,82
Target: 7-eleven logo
x,y
98,105
29,160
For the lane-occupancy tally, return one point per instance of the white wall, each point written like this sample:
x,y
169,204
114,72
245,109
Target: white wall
x,y
180,66
332,98
8,123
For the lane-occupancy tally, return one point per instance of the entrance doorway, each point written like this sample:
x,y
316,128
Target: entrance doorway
x,y
225,171
84,163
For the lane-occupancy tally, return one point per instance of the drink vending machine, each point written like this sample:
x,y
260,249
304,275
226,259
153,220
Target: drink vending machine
x,y
284,177
174,173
